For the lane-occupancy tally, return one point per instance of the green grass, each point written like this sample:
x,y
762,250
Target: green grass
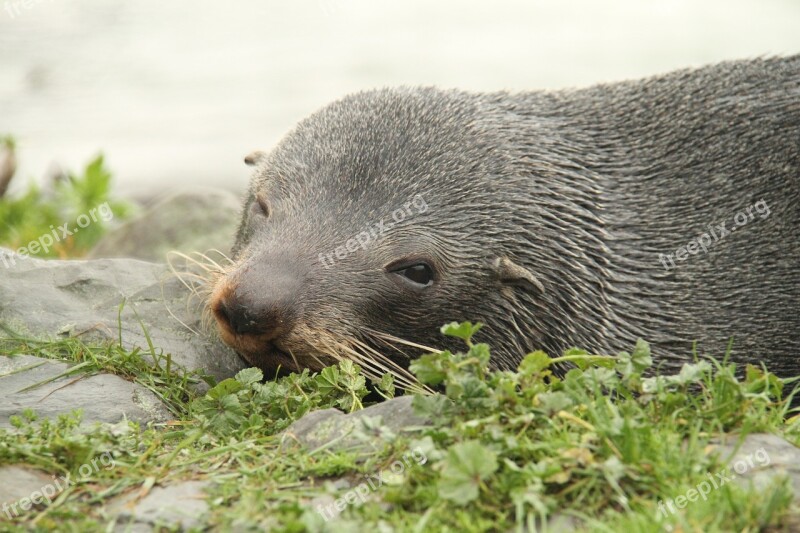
x,y
603,443
152,369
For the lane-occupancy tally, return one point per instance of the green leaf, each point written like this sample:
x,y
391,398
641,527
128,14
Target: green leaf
x,y
553,402
328,379
463,331
435,406
636,362
248,376
430,368
386,385
223,388
603,377
481,352
467,464
534,363
691,373
230,413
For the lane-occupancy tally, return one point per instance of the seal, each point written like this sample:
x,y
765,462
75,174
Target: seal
x,y
666,209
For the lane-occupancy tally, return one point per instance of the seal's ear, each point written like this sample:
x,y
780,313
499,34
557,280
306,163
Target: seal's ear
x,y
254,158
514,275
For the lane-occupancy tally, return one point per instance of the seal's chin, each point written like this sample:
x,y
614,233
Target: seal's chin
x,y
259,351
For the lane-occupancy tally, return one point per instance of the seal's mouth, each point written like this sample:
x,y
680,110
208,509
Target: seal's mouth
x,y
261,353
260,347
256,349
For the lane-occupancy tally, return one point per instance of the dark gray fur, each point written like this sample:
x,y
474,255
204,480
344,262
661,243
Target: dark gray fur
x,y
547,212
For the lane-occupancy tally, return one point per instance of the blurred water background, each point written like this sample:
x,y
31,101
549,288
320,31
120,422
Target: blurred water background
x,y
176,92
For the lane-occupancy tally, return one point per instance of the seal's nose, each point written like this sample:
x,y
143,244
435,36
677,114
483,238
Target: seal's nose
x,y
245,316
257,301
237,317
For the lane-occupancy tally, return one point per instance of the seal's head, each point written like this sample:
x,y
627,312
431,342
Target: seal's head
x,y
382,217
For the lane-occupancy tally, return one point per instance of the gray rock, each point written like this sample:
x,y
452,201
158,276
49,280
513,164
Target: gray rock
x,y
47,387
182,505
760,459
17,483
199,219
364,430
56,299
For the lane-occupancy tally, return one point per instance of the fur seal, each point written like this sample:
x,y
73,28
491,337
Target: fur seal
x,y
666,208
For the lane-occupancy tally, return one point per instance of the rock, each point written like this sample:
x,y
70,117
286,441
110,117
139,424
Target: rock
x,y
102,397
760,459
364,430
49,299
199,219
182,505
18,484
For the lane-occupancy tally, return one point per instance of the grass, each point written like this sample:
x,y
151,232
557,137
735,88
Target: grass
x,y
505,451
152,369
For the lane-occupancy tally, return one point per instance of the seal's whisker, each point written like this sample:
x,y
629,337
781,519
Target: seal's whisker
x,y
391,338
197,284
181,276
211,261
381,357
223,255
197,279
334,349
207,320
200,284
294,360
318,361
212,267
391,346
191,266
372,369
327,346
195,288
401,374
520,335
173,315
338,347
367,364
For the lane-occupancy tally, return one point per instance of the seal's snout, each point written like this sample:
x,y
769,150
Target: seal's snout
x,y
242,313
237,317
256,307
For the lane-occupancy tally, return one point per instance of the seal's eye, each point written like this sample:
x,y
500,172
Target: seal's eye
x,y
420,274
